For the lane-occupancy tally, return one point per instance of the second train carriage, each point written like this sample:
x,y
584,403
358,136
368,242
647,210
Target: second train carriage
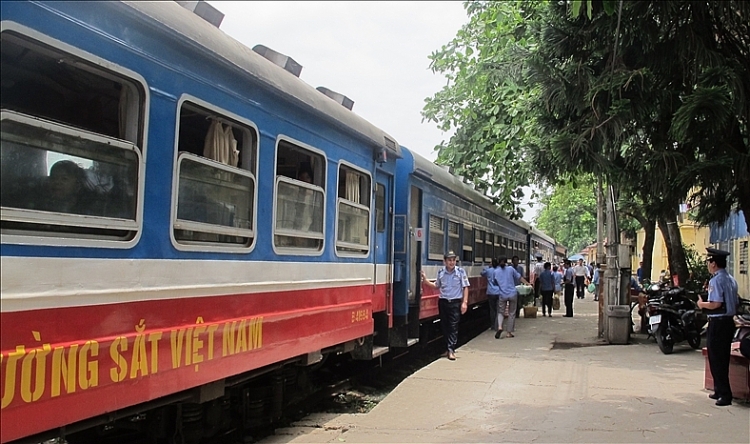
x,y
437,212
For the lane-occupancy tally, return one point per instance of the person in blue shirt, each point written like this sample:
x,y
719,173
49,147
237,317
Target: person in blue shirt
x,y
546,288
492,292
595,280
557,275
722,300
515,263
505,277
453,284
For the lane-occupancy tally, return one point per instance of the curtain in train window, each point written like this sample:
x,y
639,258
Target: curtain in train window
x,y
70,152
353,212
300,198
216,179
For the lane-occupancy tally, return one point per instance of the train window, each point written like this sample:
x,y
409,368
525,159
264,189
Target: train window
x,y
216,179
479,247
468,242
353,211
437,238
489,251
300,198
454,242
380,208
70,157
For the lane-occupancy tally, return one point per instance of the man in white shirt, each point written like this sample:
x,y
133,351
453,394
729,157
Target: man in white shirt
x,y
582,276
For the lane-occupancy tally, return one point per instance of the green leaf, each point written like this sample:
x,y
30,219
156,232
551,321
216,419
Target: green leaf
x,y
609,6
575,8
590,8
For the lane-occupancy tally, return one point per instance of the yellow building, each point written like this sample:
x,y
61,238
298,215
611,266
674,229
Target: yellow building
x,y
693,236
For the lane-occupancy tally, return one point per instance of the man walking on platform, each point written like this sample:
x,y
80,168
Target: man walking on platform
x,y
568,278
723,301
453,284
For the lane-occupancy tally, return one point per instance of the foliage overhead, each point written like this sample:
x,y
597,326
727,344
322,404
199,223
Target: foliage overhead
x,y
651,95
569,215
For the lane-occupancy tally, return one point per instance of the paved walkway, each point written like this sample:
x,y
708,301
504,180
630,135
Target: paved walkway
x,y
554,382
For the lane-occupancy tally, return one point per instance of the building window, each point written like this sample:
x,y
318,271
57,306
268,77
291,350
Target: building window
x,y
216,179
743,257
437,238
300,198
353,218
70,157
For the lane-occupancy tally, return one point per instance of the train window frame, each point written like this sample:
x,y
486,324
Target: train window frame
x,y
479,236
250,147
346,249
380,207
434,231
454,236
289,250
489,246
467,249
135,128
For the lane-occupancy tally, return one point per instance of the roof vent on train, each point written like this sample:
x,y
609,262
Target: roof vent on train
x,y
341,99
203,10
279,59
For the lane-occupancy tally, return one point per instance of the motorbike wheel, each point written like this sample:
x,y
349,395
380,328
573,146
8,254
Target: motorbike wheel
x,y
665,345
695,340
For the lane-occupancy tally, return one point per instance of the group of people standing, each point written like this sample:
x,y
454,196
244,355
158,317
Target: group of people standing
x,y
552,280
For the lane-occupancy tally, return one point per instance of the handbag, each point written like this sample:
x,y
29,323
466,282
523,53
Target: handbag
x,y
556,302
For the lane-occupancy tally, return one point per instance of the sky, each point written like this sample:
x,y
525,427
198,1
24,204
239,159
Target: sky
x,y
375,53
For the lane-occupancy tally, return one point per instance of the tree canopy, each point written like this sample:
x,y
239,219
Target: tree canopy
x,y
651,95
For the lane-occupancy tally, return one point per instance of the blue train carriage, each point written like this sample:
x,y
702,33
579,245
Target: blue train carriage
x,y
734,236
540,244
437,212
176,210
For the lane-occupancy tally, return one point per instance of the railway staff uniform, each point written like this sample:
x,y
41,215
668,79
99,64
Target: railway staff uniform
x,y
505,278
723,300
453,284
492,293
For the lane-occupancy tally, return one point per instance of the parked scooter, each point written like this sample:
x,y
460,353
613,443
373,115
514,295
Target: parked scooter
x,y
674,317
742,322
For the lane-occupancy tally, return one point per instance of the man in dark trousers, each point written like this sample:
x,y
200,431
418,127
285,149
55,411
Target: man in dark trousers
x,y
569,282
453,284
721,306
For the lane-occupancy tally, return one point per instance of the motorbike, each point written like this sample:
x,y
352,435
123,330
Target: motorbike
x,y
742,322
674,317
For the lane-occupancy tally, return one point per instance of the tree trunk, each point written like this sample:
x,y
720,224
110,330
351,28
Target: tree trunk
x,y
678,265
667,241
649,228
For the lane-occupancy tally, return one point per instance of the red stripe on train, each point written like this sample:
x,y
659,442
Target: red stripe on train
x,y
63,365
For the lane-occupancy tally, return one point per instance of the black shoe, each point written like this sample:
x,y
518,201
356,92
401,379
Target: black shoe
x,y
724,401
714,396
498,333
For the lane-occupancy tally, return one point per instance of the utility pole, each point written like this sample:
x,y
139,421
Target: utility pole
x,y
617,275
600,256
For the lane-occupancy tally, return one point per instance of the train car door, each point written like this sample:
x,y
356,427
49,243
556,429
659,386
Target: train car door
x,y
384,239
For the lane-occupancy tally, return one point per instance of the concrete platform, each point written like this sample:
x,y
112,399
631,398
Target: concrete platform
x,y
554,382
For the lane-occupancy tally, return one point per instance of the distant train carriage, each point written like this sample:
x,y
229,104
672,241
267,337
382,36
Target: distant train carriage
x,y
176,210
436,212
541,244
